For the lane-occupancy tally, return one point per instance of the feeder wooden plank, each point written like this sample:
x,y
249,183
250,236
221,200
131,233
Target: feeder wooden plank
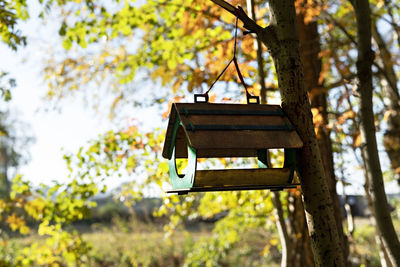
x,y
235,144
226,153
244,139
181,144
242,177
181,152
233,120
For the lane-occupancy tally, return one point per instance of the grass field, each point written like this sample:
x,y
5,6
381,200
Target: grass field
x,y
140,244
134,243
155,249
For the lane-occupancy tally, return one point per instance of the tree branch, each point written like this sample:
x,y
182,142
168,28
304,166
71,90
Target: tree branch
x,y
249,24
266,35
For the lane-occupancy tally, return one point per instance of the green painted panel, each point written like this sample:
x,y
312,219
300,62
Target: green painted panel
x,y
181,181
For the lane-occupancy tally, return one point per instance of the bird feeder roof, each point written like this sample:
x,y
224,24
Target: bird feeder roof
x,y
228,130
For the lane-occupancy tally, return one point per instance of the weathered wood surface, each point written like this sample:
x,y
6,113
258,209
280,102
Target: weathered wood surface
x,y
244,139
241,177
233,120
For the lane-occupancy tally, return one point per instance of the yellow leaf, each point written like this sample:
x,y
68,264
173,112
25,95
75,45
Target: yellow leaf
x,y
274,241
24,230
318,119
17,223
357,141
45,228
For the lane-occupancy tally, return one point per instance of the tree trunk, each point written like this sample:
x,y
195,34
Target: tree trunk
x,y
383,254
385,262
302,254
310,49
391,139
281,38
367,127
296,246
4,183
282,230
278,211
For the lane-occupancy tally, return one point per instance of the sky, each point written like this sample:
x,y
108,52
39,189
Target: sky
x,y
67,128
53,130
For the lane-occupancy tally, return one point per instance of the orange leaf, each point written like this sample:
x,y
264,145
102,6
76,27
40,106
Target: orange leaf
x,y
357,141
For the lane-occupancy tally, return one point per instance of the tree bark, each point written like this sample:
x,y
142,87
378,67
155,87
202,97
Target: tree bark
x,y
310,49
281,38
383,253
302,254
367,127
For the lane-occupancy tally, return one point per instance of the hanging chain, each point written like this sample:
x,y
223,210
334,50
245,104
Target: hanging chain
x,y
250,99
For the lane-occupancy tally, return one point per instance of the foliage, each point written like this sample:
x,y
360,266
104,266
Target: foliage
x,y
124,153
365,238
5,87
228,231
10,13
55,207
178,44
51,208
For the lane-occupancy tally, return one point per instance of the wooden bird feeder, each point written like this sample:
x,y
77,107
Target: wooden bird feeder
x,y
205,130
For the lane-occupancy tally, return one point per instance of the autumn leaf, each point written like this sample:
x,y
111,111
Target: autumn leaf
x,y
350,114
357,140
17,223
